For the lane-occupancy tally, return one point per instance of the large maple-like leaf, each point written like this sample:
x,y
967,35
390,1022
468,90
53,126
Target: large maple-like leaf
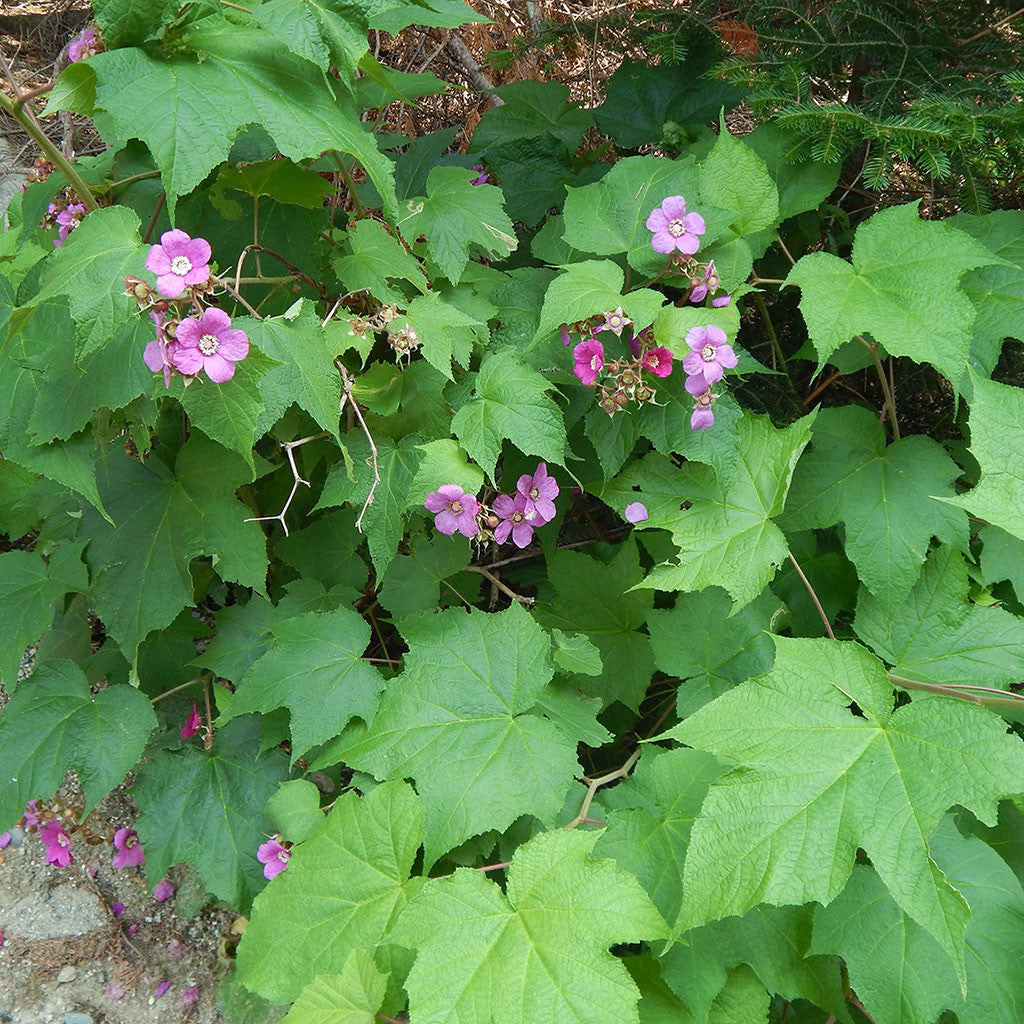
x,y
353,996
55,725
206,806
461,721
806,765
539,952
901,286
884,496
342,890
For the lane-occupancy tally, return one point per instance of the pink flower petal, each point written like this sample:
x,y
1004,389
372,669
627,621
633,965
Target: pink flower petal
x,y
674,207
663,242
696,384
467,526
636,512
502,530
188,360
218,369
656,220
522,534
234,344
175,242
434,502
198,252
170,286
158,262
446,523
214,321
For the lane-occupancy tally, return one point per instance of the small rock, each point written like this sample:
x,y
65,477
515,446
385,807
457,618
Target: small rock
x,y
66,975
17,836
77,1018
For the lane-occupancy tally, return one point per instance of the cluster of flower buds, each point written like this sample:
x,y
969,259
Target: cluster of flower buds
x,y
514,515
65,215
404,340
705,284
40,170
186,345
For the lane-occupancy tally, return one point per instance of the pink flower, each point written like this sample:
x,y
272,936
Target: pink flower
x,y
190,995
67,220
116,991
159,353
674,228
455,510
708,283
129,849
132,930
83,45
539,490
117,909
58,846
210,344
564,334
615,321
710,356
480,179
272,855
191,726
515,519
161,989
589,358
31,815
658,361
163,890
5,840
179,261
702,416
636,512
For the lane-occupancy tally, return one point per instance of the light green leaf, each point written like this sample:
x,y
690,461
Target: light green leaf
x,y
936,635
152,98
394,15
733,177
341,892
805,765
575,654
445,332
509,401
455,215
321,31
55,725
125,22
443,461
1002,558
206,806
140,566
885,496
727,538
901,287
282,180
377,258
537,953
351,997
29,591
596,600
294,810
315,669
459,722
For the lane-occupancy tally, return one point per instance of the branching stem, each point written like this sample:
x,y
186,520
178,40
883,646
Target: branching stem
x,y
496,580
289,447
593,785
346,398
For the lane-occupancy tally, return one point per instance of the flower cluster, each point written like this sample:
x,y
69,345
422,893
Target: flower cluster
x,y
86,44
404,340
514,515
186,345
710,356
65,217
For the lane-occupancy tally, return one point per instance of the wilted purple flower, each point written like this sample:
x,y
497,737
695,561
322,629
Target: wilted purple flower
x,y
456,510
83,45
210,344
674,228
708,283
539,490
58,846
5,840
129,849
191,726
67,220
92,867
31,815
702,416
481,178
132,930
589,358
116,991
710,355
163,890
515,520
190,995
117,909
179,261
272,855
161,989
159,353
615,321
721,300
658,361
175,949
636,512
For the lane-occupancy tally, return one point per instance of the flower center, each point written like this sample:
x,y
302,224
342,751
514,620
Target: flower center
x,y
62,840
181,265
208,344
455,507
517,518
595,363
706,399
614,321
677,227
534,493
130,842
283,855
652,361
707,353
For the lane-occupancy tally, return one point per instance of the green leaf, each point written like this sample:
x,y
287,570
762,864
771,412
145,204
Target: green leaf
x,y
443,460
140,566
384,517
710,651
126,22
29,591
575,654
315,669
455,215
351,997
206,807
341,892
509,401
445,332
321,31
532,112
543,946
282,180
803,764
936,635
459,722
727,538
533,175
394,15
733,177
153,99
901,288
90,268
597,600
889,499
294,810
997,442
54,725
412,581
377,257
1002,557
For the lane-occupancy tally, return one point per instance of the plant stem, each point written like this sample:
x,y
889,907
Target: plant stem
x,y
976,694
152,220
767,280
772,336
493,577
890,402
593,785
359,210
183,686
814,596
134,177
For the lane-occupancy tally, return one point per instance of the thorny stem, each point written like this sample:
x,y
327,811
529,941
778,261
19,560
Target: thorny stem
x,y
183,686
593,785
496,580
346,398
288,447
814,596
